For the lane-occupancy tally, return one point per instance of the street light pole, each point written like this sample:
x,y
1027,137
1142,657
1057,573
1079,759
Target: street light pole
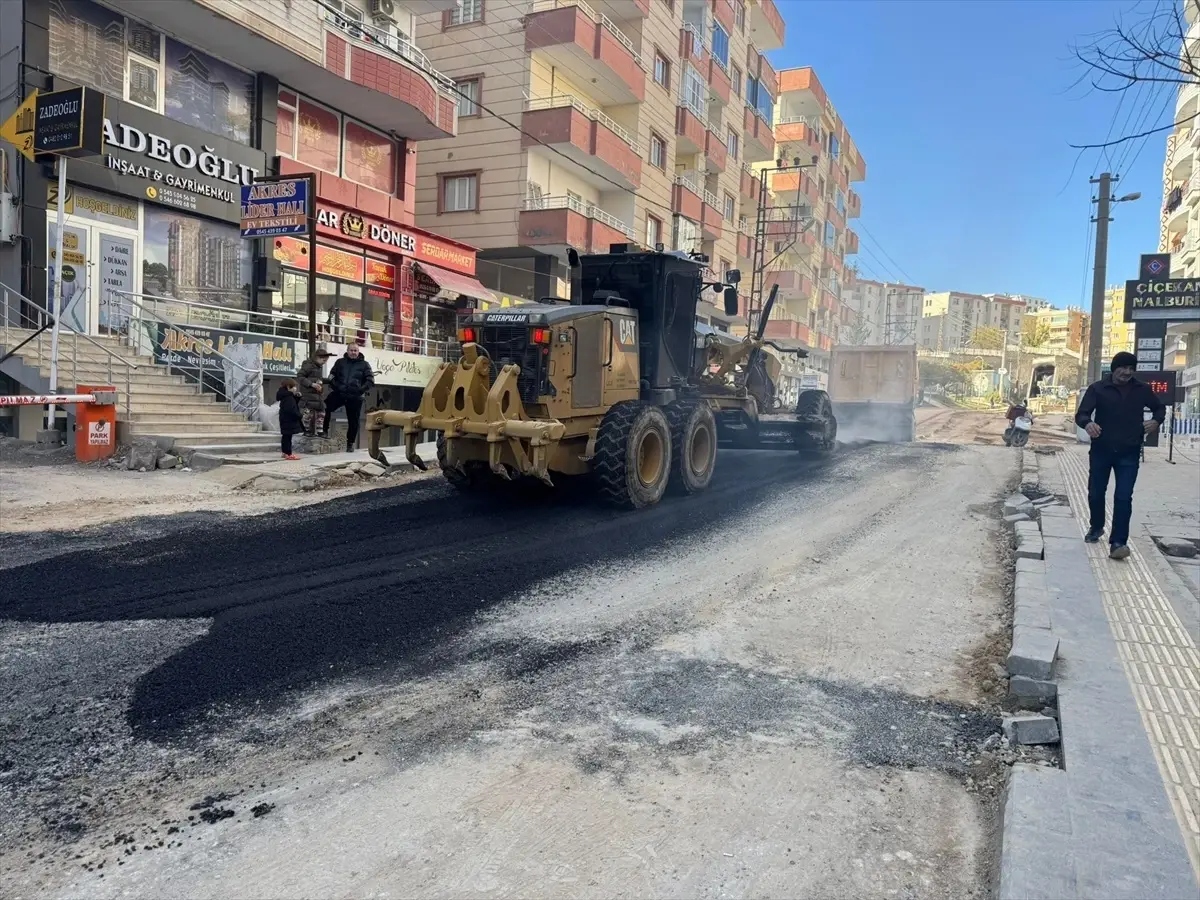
x,y
1103,201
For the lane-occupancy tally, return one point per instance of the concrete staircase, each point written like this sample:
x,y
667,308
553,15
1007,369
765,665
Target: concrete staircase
x,y
168,407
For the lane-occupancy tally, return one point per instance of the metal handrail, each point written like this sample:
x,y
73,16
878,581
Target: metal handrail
x,y
46,318
287,327
690,179
712,199
370,34
590,210
559,101
698,41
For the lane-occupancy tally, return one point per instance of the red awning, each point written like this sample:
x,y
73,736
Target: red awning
x,y
453,283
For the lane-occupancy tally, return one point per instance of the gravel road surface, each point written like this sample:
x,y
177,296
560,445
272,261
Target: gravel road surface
x,y
778,688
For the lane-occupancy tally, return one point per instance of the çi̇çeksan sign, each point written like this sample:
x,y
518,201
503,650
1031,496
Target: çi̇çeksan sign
x,y
1155,295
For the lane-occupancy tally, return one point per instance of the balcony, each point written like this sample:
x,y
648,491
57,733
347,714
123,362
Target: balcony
x,y
691,127
619,10
590,46
793,285
1180,167
767,76
353,67
766,24
719,86
602,150
833,215
714,148
687,196
853,205
830,260
751,185
723,12
788,184
745,246
804,131
757,137
693,47
1188,102
552,224
828,300
712,220
785,223
851,241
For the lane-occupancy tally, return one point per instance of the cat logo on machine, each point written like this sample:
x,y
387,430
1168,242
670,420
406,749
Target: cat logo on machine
x,y
627,333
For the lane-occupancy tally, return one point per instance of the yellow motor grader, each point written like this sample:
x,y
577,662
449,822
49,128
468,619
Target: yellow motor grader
x,y
619,383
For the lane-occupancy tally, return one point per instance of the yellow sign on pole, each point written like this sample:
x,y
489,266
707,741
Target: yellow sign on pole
x,y
19,129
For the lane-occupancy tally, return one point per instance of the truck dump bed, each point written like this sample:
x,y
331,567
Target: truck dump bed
x,y
874,392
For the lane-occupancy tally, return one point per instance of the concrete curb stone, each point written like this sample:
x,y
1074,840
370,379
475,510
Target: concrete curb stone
x,y
1033,729
1033,652
1036,862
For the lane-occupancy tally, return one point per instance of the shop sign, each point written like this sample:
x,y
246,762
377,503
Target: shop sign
x,y
391,367
116,281
70,122
331,261
275,207
1190,377
194,347
151,157
393,238
381,274
96,207
1155,295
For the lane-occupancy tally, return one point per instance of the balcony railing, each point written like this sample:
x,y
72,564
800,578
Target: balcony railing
x,y
691,179
693,107
560,101
610,26
698,42
588,210
712,199
367,33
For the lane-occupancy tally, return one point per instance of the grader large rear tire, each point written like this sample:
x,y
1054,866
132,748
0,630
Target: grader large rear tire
x,y
472,476
693,447
815,410
633,455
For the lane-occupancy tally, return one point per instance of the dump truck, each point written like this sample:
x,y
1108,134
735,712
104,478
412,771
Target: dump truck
x,y
875,391
617,383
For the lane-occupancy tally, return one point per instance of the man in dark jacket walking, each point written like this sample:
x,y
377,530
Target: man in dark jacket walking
x,y
311,379
351,378
1112,413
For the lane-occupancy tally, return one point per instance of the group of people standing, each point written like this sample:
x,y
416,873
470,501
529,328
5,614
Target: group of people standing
x,y
303,400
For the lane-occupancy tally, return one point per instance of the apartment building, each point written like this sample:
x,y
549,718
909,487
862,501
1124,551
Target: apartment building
x,y
885,312
808,208
586,124
1061,330
1006,312
955,317
202,96
1118,334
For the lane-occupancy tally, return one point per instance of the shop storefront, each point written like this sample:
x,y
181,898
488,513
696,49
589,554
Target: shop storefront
x,y
156,215
383,278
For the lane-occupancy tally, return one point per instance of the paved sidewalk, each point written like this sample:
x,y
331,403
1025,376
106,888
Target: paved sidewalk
x,y
1152,619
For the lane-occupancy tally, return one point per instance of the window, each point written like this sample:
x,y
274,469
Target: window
x,y
345,16
126,59
720,46
658,151
730,207
460,193
313,134
839,200
468,96
735,79
834,147
694,92
830,234
653,232
686,234
465,13
739,14
662,70
726,266
731,143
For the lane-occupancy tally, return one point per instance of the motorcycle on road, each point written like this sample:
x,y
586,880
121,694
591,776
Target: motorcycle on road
x,y
1020,423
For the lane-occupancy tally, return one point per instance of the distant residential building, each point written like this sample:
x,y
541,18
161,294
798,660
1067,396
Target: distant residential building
x,y
1066,328
885,312
1118,334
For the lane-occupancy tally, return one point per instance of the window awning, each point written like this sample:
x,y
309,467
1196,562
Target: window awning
x,y
452,283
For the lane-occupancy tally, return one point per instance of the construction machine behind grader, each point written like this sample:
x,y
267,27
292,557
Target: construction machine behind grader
x,y
619,383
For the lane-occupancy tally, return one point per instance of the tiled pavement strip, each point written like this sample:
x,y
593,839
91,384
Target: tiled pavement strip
x,y
1159,657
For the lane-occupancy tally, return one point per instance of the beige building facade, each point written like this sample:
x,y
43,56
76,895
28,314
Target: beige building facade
x,y
592,123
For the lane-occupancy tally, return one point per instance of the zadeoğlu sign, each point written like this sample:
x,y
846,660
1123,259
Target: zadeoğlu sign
x,y
153,158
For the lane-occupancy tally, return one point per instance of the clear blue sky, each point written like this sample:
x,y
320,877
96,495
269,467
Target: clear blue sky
x,y
963,110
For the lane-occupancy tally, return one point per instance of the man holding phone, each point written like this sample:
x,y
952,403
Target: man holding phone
x,y
1112,413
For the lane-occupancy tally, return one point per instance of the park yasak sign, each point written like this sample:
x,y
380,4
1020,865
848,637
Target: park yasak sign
x,y
1155,295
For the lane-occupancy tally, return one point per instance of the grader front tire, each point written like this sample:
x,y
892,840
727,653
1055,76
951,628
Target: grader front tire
x,y
633,455
693,447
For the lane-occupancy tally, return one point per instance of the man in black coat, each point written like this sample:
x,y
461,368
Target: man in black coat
x,y
350,378
1112,413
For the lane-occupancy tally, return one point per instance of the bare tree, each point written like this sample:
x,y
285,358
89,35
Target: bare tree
x,y
1151,51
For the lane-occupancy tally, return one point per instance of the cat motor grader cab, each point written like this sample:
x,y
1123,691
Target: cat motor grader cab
x,y
617,384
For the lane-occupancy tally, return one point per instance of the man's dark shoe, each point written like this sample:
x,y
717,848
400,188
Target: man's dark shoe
x,y
349,448
1093,536
1118,551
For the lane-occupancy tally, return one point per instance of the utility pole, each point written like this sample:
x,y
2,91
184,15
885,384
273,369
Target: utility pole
x,y
1099,275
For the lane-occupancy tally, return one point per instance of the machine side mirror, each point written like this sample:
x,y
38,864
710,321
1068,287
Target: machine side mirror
x,y
733,276
731,301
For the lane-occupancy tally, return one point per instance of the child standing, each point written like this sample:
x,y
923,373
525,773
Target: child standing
x,y
290,420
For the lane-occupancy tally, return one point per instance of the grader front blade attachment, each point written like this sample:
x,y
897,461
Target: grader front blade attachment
x,y
462,404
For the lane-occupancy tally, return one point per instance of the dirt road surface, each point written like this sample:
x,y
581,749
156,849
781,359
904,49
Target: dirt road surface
x,y
778,688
